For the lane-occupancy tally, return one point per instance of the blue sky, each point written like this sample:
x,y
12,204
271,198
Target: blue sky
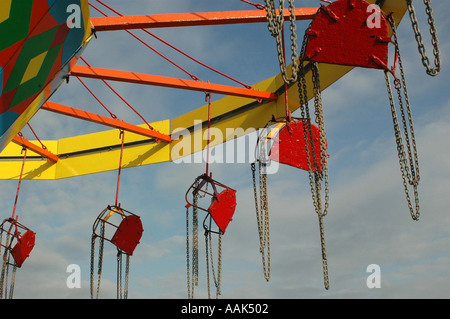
x,y
368,220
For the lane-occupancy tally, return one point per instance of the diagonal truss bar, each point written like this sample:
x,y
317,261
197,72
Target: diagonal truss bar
x,y
192,19
139,78
20,140
83,115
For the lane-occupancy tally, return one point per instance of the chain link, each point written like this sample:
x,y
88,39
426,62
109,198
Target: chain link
x,y
275,26
13,282
315,177
433,71
217,280
192,278
262,216
100,260
119,275
188,271
122,292
410,176
5,266
195,238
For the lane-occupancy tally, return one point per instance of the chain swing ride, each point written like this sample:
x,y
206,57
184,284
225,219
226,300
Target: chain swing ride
x,y
18,243
126,229
222,205
339,34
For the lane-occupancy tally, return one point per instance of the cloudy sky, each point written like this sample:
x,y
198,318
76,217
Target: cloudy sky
x,y
368,220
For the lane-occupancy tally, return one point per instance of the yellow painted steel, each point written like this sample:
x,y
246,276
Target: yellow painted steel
x,y
232,117
86,154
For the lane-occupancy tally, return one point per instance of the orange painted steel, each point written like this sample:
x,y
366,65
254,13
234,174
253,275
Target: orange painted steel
x,y
91,117
20,140
157,80
192,19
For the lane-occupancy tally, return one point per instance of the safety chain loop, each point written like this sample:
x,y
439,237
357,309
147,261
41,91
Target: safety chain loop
x,y
410,175
433,71
262,215
315,178
275,27
192,253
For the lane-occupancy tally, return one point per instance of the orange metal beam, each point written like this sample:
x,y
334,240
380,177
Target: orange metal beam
x,y
139,78
91,117
20,140
192,19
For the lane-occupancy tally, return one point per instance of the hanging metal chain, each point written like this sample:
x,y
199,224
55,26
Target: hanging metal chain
x,y
195,237
209,252
122,292
410,175
275,26
318,111
192,280
188,271
127,276
13,282
262,216
433,71
119,274
100,261
315,177
4,275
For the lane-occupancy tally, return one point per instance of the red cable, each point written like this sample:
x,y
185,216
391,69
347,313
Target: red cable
x,y
112,114
257,5
24,150
154,50
121,98
35,135
122,134
180,51
208,97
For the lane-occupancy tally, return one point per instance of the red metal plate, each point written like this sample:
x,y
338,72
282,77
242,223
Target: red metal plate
x,y
128,234
23,247
289,146
340,34
222,208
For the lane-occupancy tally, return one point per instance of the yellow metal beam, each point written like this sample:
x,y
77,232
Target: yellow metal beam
x,y
86,154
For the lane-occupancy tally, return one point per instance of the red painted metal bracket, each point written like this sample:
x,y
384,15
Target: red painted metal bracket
x,y
91,117
128,234
192,19
146,79
340,34
23,247
289,146
20,140
222,208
